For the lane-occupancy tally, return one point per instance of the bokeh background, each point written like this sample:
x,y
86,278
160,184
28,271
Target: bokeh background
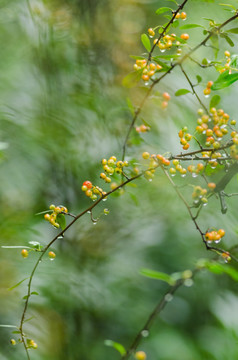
x,y
62,109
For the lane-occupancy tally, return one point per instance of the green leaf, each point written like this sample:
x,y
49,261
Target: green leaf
x,y
132,79
130,106
224,80
228,39
234,61
137,57
182,92
163,10
218,268
165,57
119,347
215,101
233,31
146,42
43,212
134,199
34,293
228,5
158,275
215,43
16,332
199,78
175,24
190,26
61,220
165,67
20,282
8,326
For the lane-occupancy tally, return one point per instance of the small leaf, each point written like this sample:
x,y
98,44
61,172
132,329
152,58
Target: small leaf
x,y
224,80
190,26
218,268
175,24
215,42
25,297
158,275
233,31
146,42
132,79
228,39
119,347
234,61
134,199
61,220
163,10
215,101
182,92
137,57
34,293
16,332
43,212
20,282
8,326
199,78
130,106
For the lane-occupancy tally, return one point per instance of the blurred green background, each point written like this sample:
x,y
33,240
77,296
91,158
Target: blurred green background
x,y
63,109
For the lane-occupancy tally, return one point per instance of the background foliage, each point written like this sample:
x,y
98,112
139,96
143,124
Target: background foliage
x,y
62,110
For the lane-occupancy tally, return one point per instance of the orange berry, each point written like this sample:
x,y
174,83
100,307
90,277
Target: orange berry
x,y
24,253
184,36
209,84
177,16
207,91
186,146
88,193
143,128
88,184
166,96
145,77
47,217
151,32
183,15
51,255
166,162
164,104
221,232
200,166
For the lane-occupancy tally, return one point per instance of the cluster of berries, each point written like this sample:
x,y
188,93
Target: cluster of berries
x,y
92,191
182,16
214,235
234,151
199,195
56,210
215,127
227,64
31,344
185,137
148,70
196,170
25,253
207,91
112,166
177,167
142,128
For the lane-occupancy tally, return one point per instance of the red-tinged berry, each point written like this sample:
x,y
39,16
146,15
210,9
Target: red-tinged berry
x,y
89,193
24,253
88,184
47,217
164,104
209,84
166,96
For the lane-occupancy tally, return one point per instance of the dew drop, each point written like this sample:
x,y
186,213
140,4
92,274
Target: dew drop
x,y
149,180
95,223
51,259
105,199
188,282
183,175
145,333
207,96
89,212
168,297
146,83
162,50
204,204
217,241
194,175
172,175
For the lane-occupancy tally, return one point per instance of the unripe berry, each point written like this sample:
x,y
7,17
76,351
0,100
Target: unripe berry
x,y
151,32
103,176
24,253
52,207
227,53
207,91
104,161
108,179
13,342
51,255
146,155
84,188
88,193
172,171
177,16
140,355
233,122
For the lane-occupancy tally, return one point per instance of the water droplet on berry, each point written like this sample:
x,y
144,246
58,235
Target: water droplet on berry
x,y
51,259
194,175
183,175
204,204
95,223
217,241
188,282
145,333
168,297
162,50
89,212
207,96
172,175
105,199
146,83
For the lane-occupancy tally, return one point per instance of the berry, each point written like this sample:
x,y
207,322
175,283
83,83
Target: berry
x,y
88,184
88,193
52,207
207,91
51,255
227,53
166,96
146,155
140,355
151,32
164,104
184,36
24,253
13,342
47,217
183,15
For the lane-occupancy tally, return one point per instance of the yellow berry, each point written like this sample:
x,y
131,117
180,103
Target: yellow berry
x,y
146,155
24,253
51,255
140,355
